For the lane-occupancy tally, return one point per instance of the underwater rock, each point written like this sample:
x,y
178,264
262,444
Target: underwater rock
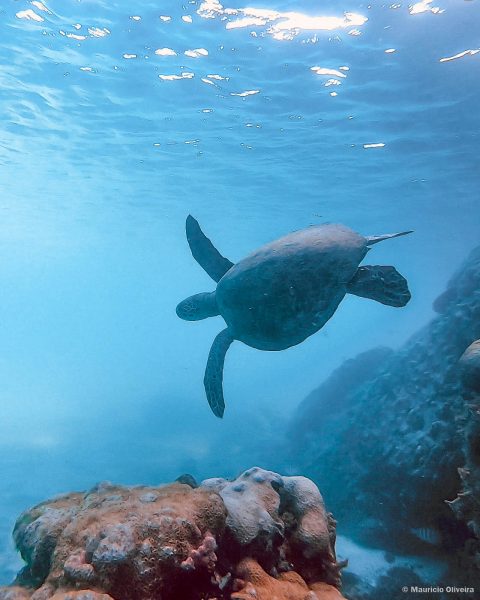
x,y
253,503
279,521
312,530
333,395
463,284
470,365
466,505
176,541
396,442
37,531
188,479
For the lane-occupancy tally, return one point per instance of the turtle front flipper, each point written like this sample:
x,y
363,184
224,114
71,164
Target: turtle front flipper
x,y
204,252
383,284
198,307
213,379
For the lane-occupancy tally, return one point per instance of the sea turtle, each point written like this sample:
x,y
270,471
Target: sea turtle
x,y
285,291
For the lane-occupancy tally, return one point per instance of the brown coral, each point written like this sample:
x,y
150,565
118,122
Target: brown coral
x,y
122,540
253,582
15,593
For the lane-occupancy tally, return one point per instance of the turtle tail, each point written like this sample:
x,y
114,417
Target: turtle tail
x,y
374,239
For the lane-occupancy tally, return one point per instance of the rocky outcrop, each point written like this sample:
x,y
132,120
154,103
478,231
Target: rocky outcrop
x,y
470,369
467,504
220,540
254,502
400,443
333,397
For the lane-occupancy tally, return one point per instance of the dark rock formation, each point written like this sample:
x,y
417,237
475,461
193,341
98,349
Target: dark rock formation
x,y
470,368
333,396
396,453
222,540
467,504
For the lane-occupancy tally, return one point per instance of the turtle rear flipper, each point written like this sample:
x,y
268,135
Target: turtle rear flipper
x,y
204,252
213,379
383,284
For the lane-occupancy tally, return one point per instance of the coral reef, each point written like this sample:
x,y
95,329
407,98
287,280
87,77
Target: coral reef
x,y
219,540
254,582
467,504
122,541
470,367
406,422
281,521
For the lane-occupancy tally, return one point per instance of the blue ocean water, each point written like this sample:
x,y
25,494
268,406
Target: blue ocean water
x,y
118,120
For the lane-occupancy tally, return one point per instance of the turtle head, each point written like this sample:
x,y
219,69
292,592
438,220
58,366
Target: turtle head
x,y
198,307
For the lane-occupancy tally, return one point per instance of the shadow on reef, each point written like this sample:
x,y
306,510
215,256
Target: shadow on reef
x,y
260,536
399,432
